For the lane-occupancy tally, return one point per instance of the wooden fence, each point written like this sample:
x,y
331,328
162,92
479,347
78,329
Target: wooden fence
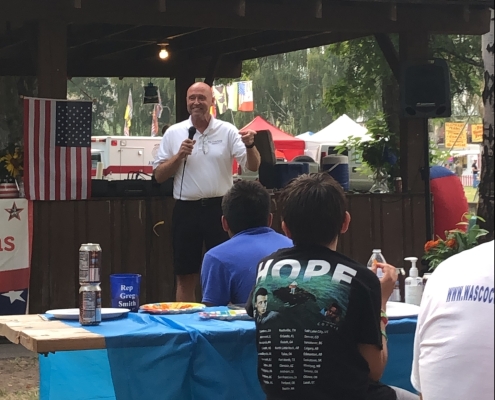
x,y
124,229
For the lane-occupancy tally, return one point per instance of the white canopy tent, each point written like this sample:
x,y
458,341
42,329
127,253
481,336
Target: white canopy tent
x,y
305,135
332,135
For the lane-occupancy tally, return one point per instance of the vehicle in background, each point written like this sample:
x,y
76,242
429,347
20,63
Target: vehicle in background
x,y
123,157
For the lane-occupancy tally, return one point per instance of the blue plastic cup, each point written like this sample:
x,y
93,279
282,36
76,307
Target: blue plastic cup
x,y
124,291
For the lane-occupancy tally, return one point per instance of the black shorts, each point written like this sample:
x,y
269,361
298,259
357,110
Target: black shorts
x,y
195,223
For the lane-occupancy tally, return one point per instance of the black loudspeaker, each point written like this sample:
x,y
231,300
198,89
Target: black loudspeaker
x,y
425,89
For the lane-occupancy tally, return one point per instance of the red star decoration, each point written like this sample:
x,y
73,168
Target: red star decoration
x,y
14,212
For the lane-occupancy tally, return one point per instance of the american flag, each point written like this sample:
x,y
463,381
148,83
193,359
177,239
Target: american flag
x,y
57,143
245,102
15,228
13,302
157,113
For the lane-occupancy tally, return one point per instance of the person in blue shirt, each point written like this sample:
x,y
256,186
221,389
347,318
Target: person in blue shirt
x,y
229,270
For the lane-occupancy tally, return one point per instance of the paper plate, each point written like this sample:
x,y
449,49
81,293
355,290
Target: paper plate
x,y
396,310
172,308
73,313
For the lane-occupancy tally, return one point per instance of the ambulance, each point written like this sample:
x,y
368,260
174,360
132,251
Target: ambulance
x,y
123,157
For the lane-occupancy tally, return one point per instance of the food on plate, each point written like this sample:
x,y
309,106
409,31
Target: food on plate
x,y
171,307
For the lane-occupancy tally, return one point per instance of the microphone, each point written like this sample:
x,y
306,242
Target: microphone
x,y
192,131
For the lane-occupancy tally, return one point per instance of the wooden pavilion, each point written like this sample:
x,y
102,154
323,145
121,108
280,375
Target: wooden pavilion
x,y
58,39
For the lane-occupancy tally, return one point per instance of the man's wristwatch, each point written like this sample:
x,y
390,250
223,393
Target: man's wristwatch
x,y
250,146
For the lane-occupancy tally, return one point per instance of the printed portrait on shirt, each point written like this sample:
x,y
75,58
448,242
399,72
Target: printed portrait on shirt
x,y
313,292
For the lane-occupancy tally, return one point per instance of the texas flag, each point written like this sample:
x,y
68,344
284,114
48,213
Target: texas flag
x,y
245,90
15,249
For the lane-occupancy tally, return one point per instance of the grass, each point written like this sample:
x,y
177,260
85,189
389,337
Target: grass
x,y
470,194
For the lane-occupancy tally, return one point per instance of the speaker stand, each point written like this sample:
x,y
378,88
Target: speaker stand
x,y
425,173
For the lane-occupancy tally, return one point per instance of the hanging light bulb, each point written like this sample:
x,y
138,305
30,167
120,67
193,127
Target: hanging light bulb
x,y
163,54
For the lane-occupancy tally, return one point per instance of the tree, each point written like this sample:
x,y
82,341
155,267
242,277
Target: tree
x,y
486,189
288,90
110,97
367,84
11,107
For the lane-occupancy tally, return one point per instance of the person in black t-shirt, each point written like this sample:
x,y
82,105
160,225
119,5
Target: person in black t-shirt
x,y
328,341
474,169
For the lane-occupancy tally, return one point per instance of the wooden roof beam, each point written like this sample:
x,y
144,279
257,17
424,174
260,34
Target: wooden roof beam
x,y
209,36
390,53
200,45
270,49
96,33
138,33
227,68
343,16
253,41
106,50
11,37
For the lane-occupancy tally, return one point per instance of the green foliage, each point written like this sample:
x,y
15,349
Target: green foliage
x,y
110,99
288,90
381,152
456,241
364,69
438,156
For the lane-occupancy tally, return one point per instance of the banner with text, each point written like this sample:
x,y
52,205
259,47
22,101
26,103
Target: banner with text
x,y
15,255
477,133
455,135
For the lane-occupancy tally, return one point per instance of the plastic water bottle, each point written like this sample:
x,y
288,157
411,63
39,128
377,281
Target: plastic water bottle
x,y
395,296
377,257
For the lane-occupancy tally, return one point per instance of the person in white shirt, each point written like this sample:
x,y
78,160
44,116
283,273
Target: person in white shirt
x,y
202,170
454,343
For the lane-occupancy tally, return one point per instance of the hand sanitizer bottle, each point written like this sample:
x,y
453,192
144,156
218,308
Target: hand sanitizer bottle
x,y
414,284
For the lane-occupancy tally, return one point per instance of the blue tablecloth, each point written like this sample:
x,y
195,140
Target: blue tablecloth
x,y
181,358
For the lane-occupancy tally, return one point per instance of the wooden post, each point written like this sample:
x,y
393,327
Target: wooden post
x,y
52,59
413,132
486,187
182,83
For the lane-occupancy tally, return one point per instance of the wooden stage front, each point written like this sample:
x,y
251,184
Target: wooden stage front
x,y
124,228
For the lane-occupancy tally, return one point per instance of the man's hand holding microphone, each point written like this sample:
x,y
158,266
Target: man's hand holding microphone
x,y
187,145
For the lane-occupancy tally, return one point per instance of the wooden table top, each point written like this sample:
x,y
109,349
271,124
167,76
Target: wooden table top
x,y
37,334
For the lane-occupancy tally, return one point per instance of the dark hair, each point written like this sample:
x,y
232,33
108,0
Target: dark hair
x,y
260,292
313,209
246,205
164,128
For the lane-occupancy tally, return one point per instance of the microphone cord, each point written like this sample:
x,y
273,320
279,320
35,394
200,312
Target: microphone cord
x,y
191,131
182,179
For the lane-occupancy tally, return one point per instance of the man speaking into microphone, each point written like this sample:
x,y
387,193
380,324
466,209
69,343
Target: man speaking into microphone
x,y
199,153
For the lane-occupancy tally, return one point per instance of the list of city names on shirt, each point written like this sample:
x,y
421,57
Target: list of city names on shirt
x,y
281,358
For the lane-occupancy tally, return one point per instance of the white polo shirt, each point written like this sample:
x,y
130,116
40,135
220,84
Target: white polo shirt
x,y
454,343
208,171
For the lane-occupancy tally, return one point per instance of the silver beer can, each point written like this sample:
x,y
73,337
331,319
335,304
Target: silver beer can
x,y
89,263
90,304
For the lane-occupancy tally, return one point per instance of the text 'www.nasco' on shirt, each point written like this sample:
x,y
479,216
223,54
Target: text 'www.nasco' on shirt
x,y
478,293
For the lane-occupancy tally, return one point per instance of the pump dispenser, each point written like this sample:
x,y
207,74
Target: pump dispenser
x,y
413,284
